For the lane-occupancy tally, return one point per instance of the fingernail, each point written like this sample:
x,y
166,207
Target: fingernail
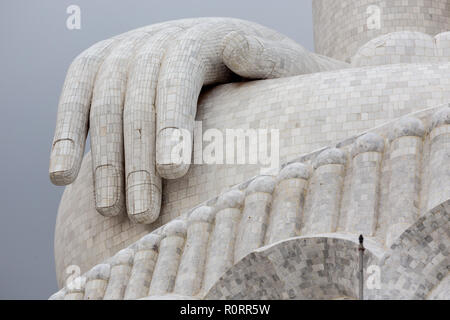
x,y
107,190
143,198
62,169
173,152
233,41
238,47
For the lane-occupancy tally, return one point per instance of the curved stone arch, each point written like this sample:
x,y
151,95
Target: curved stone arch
x,y
419,260
321,267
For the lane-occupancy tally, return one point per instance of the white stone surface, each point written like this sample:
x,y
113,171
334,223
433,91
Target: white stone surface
x,y
212,251
391,183
342,27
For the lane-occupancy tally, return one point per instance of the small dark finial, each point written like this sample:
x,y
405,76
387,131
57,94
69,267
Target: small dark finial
x,y
361,239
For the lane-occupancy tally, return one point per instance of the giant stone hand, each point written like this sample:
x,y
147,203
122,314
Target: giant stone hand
x,y
133,91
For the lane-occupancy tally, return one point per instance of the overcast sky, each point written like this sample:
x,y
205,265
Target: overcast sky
x,y
36,50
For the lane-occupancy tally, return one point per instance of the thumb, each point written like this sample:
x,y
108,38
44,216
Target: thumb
x,y
258,58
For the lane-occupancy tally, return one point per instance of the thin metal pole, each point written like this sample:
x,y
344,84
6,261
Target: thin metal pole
x,y
361,267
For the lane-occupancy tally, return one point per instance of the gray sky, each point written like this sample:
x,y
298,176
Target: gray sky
x,y
36,50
